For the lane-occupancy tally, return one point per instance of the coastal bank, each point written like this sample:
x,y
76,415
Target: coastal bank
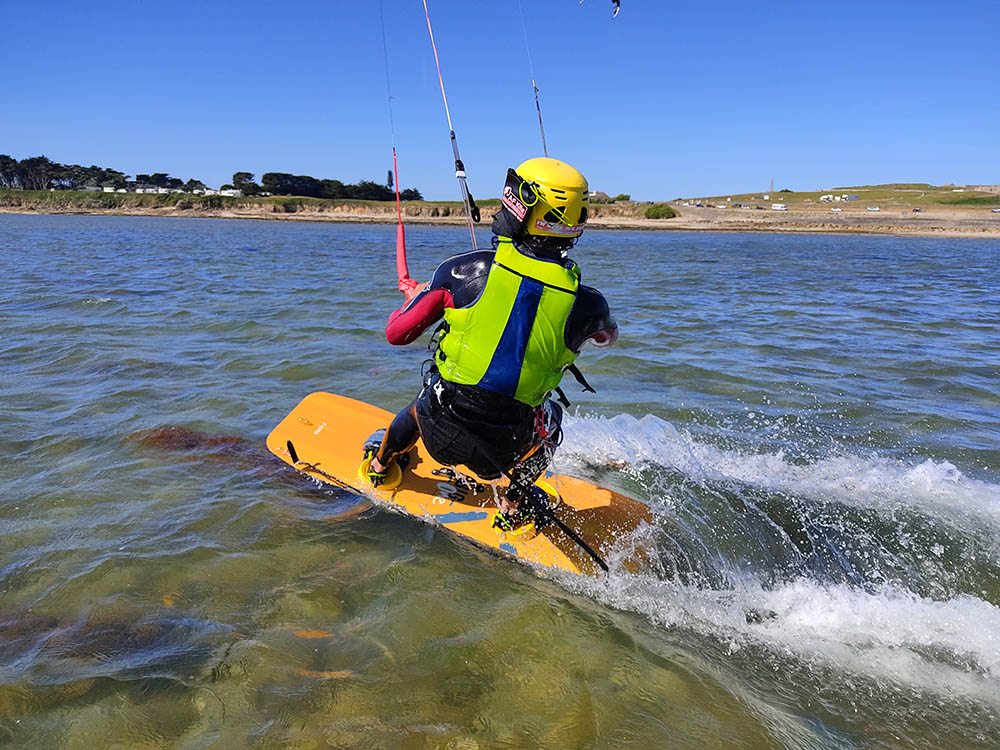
x,y
894,218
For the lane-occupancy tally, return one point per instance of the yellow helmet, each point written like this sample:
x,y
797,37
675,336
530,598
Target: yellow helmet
x,y
561,198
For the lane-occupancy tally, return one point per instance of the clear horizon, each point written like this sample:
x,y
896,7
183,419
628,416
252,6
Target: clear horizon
x,y
666,101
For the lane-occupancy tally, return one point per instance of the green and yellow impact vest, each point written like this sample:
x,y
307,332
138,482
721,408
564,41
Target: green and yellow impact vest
x,y
511,340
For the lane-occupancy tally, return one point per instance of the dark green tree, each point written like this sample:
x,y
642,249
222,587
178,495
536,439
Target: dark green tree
x,y
244,182
68,177
333,189
371,191
9,175
192,185
274,182
112,178
94,175
59,176
36,172
76,176
282,183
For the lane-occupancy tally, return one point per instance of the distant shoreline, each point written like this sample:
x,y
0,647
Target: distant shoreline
x,y
934,221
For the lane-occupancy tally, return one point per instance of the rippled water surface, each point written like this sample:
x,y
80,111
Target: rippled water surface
x,y
814,420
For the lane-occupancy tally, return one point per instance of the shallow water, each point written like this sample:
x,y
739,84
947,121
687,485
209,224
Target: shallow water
x,y
815,421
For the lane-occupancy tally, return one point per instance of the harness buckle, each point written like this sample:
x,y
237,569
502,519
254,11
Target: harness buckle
x,y
541,429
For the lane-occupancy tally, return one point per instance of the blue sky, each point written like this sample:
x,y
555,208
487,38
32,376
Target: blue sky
x,y
670,99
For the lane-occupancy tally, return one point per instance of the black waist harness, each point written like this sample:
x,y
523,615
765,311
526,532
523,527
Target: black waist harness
x,y
462,424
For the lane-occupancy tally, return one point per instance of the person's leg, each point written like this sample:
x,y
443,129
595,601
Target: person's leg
x,y
532,464
399,438
379,464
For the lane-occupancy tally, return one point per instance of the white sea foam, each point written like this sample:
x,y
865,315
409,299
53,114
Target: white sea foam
x,y
948,648
937,487
910,638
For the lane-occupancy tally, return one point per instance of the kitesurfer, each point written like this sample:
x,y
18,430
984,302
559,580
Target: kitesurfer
x,y
514,320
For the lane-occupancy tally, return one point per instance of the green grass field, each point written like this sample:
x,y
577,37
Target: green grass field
x,y
899,194
977,200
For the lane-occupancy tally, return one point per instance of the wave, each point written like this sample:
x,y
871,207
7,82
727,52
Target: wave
x,y
937,488
899,640
813,568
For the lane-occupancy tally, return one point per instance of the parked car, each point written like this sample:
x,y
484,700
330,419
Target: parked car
x,y
837,210
873,208
779,207
995,210
918,210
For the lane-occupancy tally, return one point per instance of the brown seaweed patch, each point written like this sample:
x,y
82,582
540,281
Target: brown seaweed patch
x,y
201,446
176,438
213,448
20,631
67,651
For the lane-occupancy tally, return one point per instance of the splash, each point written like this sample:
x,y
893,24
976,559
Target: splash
x,y
873,570
935,487
890,638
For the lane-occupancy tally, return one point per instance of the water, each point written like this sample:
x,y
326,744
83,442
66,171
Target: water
x,y
815,421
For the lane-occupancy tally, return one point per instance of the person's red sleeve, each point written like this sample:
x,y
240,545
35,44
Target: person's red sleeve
x,y
409,321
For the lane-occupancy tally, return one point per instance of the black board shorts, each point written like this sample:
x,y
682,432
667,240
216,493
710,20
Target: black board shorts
x,y
489,433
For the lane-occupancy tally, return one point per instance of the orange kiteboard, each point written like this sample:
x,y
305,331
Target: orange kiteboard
x,y
323,438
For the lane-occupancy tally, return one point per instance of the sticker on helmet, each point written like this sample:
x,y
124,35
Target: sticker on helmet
x,y
513,204
557,228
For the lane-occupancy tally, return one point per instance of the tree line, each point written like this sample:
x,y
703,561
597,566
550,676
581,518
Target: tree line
x,y
41,173
282,183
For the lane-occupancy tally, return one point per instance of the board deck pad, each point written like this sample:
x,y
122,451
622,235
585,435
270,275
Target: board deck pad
x,y
323,438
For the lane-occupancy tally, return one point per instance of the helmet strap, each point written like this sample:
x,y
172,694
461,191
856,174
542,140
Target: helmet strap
x,y
519,197
548,248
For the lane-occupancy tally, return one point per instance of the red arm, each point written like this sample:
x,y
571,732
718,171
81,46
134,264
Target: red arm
x,y
413,318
